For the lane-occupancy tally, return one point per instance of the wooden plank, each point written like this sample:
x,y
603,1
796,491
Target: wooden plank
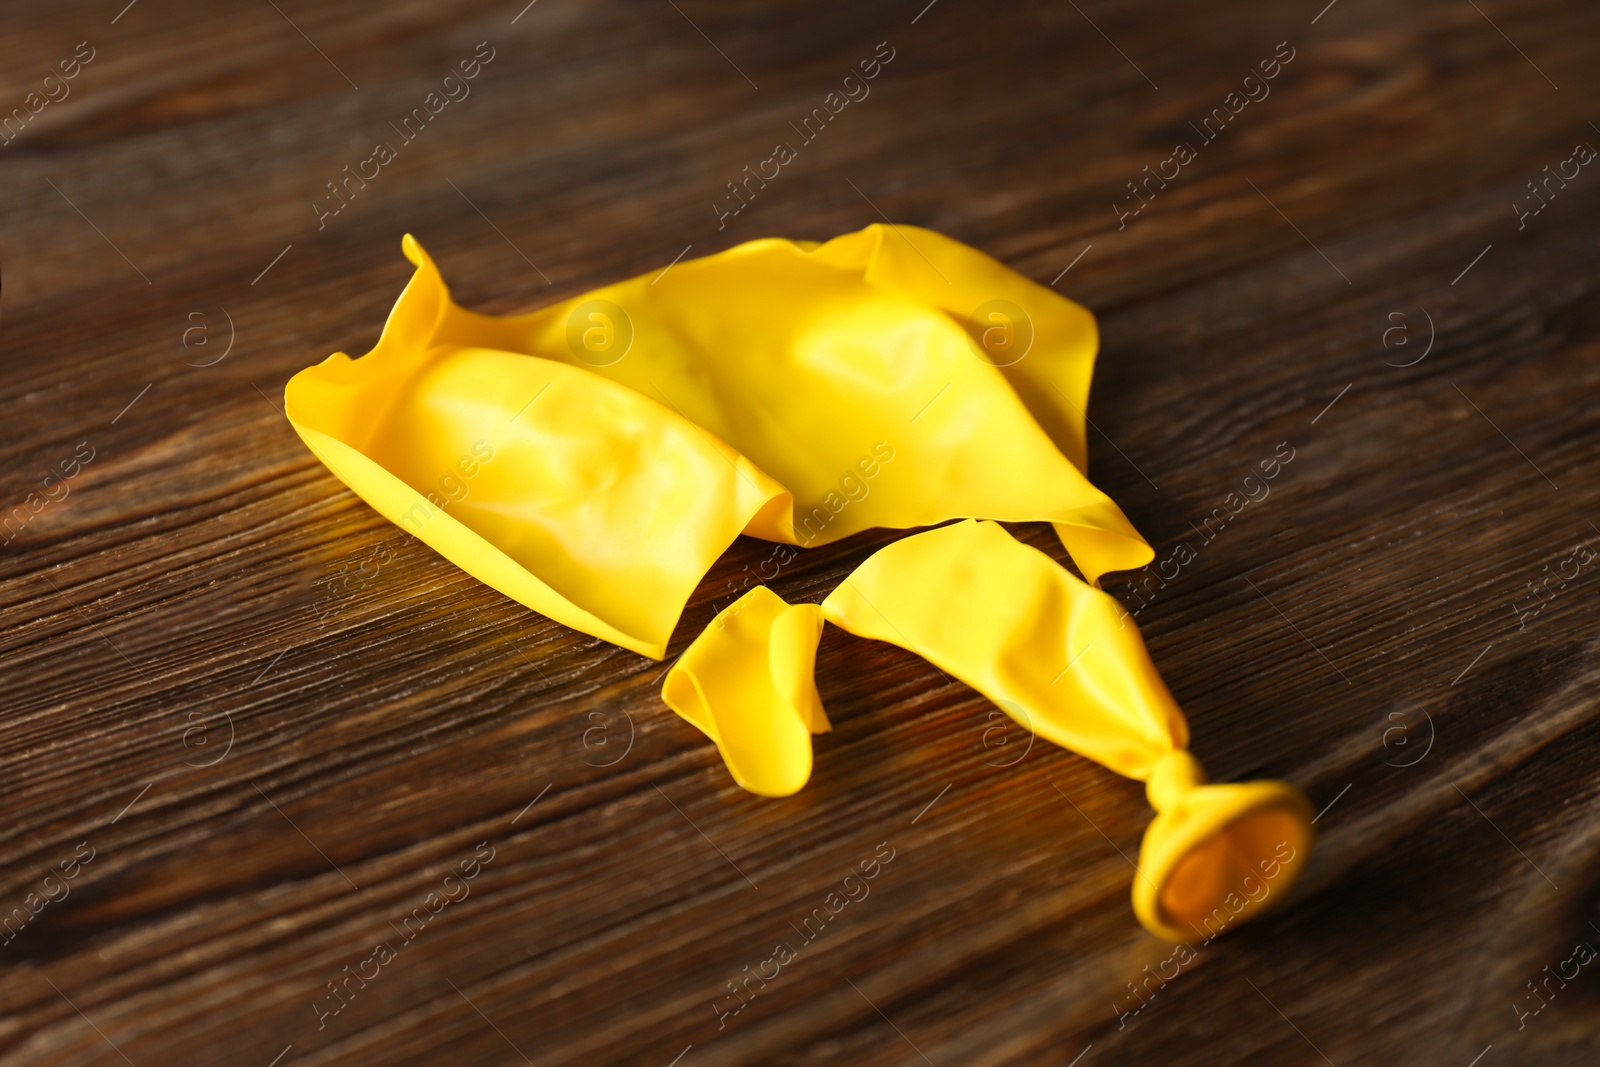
x,y
276,755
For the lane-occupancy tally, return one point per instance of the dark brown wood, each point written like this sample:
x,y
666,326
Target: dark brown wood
x,y
279,727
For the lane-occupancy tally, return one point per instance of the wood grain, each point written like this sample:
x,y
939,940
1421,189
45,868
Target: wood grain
x,y
279,727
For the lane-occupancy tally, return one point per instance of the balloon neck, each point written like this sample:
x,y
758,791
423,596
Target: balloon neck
x,y
1173,776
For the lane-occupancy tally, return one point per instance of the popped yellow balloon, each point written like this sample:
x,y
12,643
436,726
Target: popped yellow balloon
x,y
792,391
1059,657
593,458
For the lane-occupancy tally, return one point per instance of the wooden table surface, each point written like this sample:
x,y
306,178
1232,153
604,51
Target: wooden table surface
x,y
247,730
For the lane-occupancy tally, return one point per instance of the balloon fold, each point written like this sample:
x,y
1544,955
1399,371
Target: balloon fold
x,y
593,458
748,683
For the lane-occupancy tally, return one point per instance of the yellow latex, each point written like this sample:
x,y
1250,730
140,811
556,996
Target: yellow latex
x,y
792,391
1064,661
748,682
593,458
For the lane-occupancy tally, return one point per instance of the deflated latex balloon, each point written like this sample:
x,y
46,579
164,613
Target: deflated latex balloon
x,y
1064,661
592,459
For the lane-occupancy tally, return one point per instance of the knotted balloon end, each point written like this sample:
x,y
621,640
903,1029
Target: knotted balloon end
x,y
748,682
1216,856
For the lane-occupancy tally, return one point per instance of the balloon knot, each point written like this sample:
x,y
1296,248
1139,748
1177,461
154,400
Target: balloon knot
x,y
1173,775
